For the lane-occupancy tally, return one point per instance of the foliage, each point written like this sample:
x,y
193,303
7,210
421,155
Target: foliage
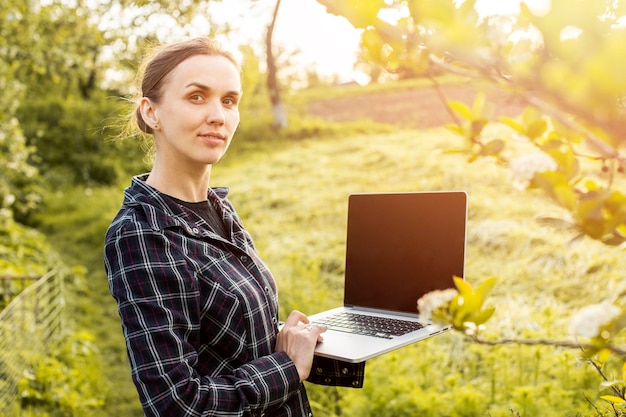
x,y
562,64
72,138
76,219
19,179
46,43
65,383
24,251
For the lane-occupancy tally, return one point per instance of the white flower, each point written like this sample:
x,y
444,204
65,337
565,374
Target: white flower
x,y
434,300
524,168
589,320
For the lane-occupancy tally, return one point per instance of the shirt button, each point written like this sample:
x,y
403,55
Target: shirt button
x,y
195,230
344,371
244,259
319,371
355,384
327,380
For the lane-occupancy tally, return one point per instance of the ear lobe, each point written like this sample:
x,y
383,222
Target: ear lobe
x,y
148,112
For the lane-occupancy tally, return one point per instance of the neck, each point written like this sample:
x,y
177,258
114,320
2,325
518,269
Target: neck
x,y
184,184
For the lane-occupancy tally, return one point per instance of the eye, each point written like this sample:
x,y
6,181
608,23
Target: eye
x,y
198,98
229,101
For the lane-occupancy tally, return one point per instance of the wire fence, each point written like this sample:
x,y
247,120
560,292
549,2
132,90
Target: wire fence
x,y
31,323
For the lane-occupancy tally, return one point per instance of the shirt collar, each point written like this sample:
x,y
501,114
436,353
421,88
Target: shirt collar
x,y
161,212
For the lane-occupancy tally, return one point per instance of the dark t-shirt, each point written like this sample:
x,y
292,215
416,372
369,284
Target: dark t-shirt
x,y
208,213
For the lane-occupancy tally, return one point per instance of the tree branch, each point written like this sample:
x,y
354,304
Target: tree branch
x,y
594,140
545,342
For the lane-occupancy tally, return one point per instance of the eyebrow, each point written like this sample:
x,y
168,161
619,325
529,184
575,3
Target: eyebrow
x,y
207,88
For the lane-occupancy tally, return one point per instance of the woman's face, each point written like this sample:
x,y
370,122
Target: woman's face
x,y
197,114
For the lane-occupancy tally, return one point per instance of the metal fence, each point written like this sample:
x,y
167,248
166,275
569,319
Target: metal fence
x,y
30,323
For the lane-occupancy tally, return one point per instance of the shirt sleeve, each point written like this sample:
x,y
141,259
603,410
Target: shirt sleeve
x,y
158,307
333,372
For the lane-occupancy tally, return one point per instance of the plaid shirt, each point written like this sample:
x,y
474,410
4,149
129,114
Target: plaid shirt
x,y
199,313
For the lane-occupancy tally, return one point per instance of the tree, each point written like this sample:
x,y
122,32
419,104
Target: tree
x,y
278,109
565,64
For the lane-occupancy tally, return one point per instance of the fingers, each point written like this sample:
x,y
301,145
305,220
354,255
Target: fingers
x,y
299,341
295,318
316,330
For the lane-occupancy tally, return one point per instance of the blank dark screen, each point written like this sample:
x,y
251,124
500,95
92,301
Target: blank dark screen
x,y
403,245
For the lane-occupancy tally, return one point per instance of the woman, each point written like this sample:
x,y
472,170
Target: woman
x,y
199,308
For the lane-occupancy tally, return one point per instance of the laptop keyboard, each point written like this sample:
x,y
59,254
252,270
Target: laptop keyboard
x,y
363,324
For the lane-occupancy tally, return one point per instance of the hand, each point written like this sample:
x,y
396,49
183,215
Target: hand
x,y
298,339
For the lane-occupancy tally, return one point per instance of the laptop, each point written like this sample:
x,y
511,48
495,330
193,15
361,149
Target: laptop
x,y
399,247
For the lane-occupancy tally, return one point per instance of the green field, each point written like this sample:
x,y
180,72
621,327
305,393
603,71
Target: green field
x,y
293,199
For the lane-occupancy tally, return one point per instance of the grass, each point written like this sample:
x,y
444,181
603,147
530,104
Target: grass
x,y
293,196
294,203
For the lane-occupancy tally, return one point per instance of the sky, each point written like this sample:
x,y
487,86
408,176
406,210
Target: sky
x,y
330,43
326,42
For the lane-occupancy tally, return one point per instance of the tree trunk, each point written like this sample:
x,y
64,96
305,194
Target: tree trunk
x,y
279,112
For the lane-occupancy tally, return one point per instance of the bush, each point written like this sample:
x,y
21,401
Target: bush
x,y
65,383
72,138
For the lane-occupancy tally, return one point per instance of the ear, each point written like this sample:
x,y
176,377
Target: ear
x,y
148,112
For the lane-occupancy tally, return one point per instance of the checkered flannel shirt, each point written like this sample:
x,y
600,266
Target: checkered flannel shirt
x,y
200,314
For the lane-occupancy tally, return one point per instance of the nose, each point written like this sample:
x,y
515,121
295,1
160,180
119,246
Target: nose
x,y
215,113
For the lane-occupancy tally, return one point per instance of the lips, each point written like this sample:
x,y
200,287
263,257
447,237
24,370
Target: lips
x,y
213,135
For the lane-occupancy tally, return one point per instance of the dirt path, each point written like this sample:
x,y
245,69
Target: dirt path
x,y
419,108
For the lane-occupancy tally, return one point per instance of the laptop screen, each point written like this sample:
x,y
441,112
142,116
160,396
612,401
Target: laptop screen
x,y
403,245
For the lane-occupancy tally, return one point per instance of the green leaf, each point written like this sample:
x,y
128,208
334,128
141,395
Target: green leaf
x,y
555,184
471,304
454,306
463,286
613,399
481,316
461,109
455,128
485,287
